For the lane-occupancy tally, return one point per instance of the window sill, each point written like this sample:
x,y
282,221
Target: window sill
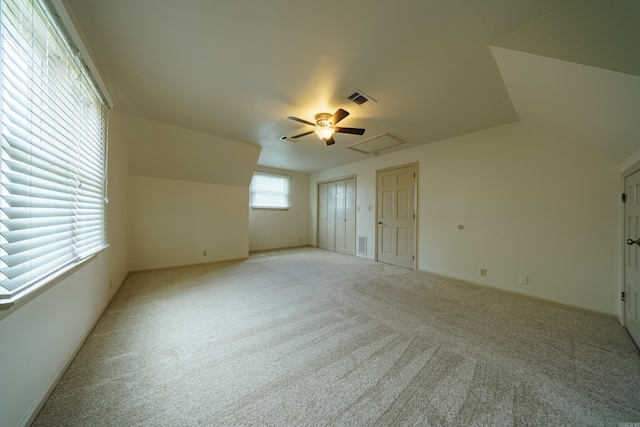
x,y
268,208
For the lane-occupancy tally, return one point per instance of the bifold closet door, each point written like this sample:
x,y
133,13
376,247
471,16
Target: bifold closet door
x,y
350,216
323,212
331,216
336,216
340,217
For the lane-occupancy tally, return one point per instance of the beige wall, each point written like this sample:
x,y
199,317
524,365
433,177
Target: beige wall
x,y
271,229
172,222
38,338
530,203
189,193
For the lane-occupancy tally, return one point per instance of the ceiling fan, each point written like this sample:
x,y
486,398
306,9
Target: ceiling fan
x,y
325,126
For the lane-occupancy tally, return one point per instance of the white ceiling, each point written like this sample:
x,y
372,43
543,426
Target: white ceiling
x,y
237,69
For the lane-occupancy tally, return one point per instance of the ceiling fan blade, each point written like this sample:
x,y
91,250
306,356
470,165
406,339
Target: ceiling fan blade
x,y
339,115
353,131
330,141
295,119
302,134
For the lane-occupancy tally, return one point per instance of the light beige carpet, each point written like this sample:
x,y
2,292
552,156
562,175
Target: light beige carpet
x,y
307,337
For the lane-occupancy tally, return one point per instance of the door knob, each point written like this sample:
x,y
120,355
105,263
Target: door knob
x,y
380,223
631,242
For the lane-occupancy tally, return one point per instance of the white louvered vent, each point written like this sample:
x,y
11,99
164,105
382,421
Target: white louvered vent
x,y
362,245
362,99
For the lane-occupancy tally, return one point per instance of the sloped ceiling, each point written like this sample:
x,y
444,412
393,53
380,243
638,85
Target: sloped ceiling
x,y
576,72
160,150
599,33
237,69
591,106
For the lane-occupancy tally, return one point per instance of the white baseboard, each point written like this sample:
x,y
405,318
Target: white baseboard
x,y
528,296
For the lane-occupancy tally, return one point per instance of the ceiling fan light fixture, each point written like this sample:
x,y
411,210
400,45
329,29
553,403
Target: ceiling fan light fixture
x,y
324,132
324,127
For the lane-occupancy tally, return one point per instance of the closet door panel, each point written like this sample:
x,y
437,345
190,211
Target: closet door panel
x,y
350,216
337,216
331,216
323,211
340,217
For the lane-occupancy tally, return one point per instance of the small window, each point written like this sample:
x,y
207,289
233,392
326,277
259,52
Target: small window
x,y
269,191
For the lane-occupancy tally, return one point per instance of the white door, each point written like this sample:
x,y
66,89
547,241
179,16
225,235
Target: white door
x,y
632,256
331,216
396,216
340,217
322,216
350,216
337,216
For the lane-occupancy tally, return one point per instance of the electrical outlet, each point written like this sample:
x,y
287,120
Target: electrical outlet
x,y
204,253
483,272
524,279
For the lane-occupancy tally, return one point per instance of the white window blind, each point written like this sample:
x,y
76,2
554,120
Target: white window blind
x,y
52,152
269,191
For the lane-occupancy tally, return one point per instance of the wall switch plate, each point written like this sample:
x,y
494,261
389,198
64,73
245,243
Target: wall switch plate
x,y
523,279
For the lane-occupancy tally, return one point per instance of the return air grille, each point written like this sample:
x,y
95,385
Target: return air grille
x,y
362,99
362,245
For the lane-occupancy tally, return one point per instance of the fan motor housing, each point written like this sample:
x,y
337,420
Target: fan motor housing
x,y
323,119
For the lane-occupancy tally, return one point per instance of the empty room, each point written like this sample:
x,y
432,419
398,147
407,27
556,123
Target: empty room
x,y
296,213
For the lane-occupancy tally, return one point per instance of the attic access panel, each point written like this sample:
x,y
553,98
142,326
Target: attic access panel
x,y
377,143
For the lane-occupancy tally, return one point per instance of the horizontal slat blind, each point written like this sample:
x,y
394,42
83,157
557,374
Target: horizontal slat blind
x,y
52,151
269,191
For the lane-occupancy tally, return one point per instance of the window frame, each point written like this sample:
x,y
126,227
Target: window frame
x,y
286,193
52,21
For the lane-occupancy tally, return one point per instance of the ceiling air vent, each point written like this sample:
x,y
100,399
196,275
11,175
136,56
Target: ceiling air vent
x,y
362,99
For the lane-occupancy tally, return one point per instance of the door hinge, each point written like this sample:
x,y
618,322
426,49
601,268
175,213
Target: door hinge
x,y
414,257
622,297
414,216
624,197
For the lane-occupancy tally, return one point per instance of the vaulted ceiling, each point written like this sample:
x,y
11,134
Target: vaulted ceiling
x,y
437,69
